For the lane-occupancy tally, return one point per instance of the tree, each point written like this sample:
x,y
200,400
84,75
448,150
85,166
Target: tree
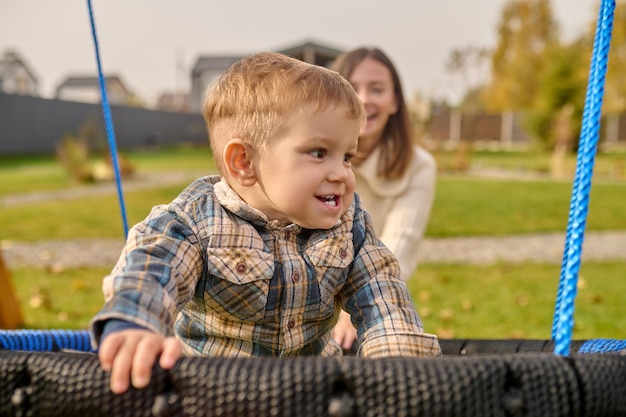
x,y
555,120
526,32
560,94
469,65
614,100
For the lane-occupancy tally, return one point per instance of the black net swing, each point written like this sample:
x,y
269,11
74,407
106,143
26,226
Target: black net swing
x,y
56,373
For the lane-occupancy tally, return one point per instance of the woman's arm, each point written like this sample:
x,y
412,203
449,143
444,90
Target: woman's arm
x,y
407,219
379,302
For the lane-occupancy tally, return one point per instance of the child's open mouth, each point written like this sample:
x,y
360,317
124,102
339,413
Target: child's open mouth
x,y
329,200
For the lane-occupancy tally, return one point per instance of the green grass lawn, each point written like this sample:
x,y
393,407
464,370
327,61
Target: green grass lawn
x,y
463,206
470,206
32,174
608,165
506,300
64,299
19,174
90,217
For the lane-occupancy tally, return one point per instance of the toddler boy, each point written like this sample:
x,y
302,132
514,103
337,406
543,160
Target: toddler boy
x,y
260,259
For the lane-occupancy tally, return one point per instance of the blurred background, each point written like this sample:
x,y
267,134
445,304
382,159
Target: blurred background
x,y
496,91
496,71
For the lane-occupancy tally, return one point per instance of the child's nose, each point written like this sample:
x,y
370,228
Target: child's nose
x,y
339,172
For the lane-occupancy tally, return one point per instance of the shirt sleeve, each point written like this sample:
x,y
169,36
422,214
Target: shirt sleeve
x,y
155,275
406,221
380,305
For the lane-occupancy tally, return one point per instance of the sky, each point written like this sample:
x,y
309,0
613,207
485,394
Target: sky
x,y
153,44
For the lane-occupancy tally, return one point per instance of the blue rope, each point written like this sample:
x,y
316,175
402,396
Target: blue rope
x,y
108,122
45,340
79,340
563,323
579,165
602,346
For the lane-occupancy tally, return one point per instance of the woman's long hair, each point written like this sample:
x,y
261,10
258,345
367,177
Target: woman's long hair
x,y
397,139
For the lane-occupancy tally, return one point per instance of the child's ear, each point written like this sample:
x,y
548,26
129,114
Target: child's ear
x,y
238,162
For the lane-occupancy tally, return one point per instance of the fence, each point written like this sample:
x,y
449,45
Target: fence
x,y
505,130
32,125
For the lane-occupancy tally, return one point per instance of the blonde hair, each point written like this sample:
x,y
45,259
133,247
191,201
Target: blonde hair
x,y
254,99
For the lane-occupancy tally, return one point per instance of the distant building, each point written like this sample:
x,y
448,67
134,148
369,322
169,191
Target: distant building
x,y
16,76
313,53
86,89
209,67
176,102
206,70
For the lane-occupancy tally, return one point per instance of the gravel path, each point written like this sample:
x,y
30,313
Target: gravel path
x,y
546,248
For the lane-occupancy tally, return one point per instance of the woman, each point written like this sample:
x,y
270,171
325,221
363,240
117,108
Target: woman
x,y
395,178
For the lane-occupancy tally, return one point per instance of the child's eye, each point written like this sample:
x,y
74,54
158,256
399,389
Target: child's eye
x,y
347,158
318,153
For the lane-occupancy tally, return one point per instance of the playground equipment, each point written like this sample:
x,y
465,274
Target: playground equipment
x,y
10,314
55,373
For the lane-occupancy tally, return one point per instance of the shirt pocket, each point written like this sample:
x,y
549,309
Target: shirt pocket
x,y
331,260
238,282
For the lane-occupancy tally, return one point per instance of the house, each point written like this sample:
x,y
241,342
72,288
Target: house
x,y
16,76
176,102
86,89
206,70
313,53
209,67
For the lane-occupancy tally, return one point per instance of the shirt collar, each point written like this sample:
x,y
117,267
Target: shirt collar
x,y
231,201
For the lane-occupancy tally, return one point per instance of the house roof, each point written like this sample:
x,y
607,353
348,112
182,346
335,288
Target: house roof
x,y
88,81
12,58
299,48
222,62
213,62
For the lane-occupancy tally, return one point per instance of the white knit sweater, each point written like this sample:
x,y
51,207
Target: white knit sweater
x,y
400,208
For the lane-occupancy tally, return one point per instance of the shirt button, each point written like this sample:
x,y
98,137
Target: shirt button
x,y
291,324
241,268
343,253
295,277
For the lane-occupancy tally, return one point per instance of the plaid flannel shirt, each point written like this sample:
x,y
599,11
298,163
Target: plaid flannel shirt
x,y
226,281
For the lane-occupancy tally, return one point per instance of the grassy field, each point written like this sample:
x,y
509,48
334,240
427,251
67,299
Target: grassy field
x,y
493,301
517,300
463,206
21,174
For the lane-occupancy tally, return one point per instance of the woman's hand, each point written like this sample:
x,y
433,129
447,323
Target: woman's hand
x,y
344,332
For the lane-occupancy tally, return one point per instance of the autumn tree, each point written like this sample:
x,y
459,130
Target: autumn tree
x,y
563,83
560,95
469,67
526,31
614,100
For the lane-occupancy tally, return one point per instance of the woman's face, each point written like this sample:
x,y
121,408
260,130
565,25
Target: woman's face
x,y
373,83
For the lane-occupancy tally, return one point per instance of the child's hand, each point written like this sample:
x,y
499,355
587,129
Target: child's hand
x,y
130,355
344,332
